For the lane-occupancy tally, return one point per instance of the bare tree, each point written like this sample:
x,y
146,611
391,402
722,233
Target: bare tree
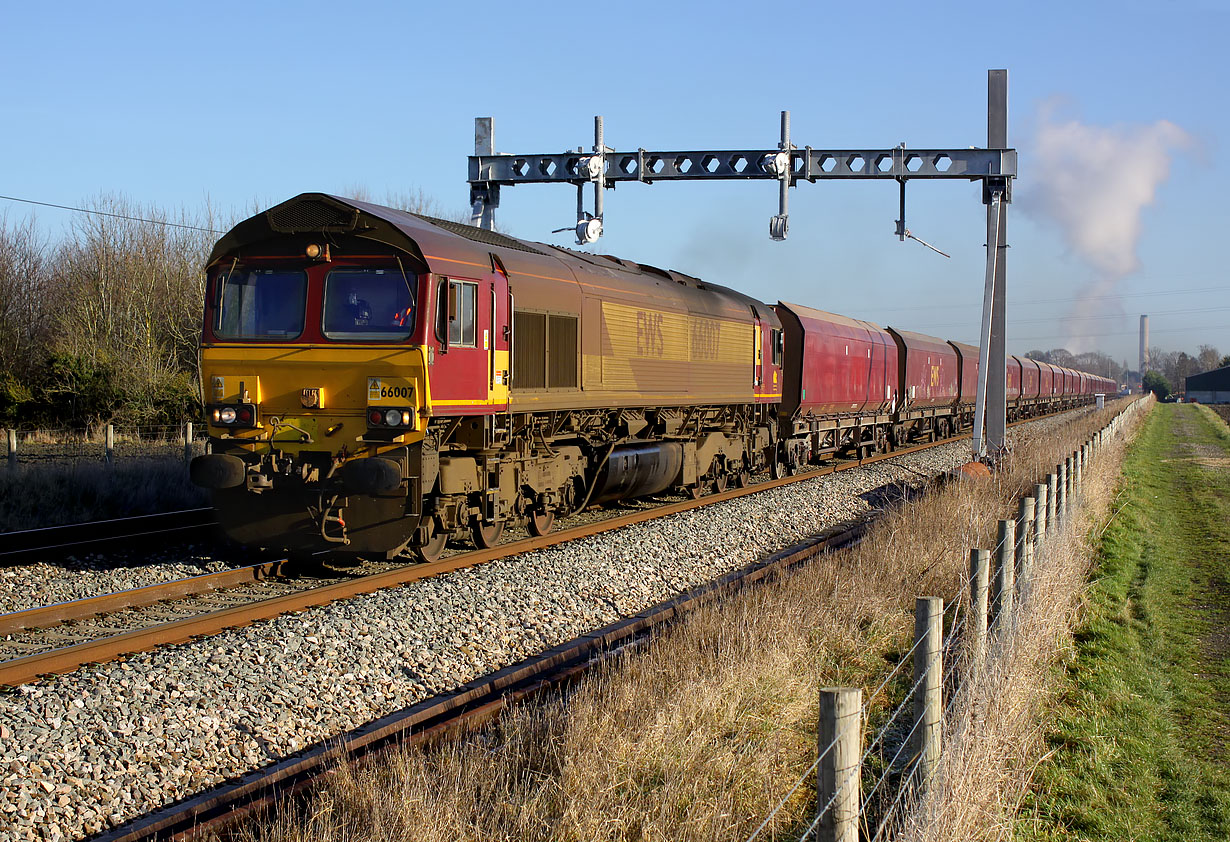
x,y
24,299
1208,356
131,296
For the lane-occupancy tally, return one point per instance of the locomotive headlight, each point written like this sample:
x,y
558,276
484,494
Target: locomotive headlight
x,y
393,417
227,415
405,418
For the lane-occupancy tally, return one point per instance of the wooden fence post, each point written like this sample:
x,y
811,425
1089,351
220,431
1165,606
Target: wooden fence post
x,y
979,584
1005,570
188,442
1040,513
929,676
110,452
12,448
1024,542
1061,489
841,723
1051,503
1067,487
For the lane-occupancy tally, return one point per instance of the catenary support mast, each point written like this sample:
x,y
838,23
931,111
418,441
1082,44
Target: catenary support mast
x,y
603,167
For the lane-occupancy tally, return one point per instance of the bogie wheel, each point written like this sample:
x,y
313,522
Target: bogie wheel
x,y
695,491
719,484
434,545
486,535
540,523
742,478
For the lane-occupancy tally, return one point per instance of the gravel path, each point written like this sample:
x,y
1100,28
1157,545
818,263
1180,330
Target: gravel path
x,y
85,751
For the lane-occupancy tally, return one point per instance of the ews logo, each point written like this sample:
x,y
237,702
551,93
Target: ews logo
x,y
649,341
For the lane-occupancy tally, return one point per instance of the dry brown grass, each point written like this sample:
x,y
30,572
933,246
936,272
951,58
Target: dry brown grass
x,y
699,736
993,737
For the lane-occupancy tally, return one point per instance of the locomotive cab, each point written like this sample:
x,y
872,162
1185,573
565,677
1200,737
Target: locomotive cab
x,y
314,364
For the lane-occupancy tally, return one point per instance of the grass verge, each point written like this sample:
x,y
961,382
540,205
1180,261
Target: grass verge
x,y
1139,735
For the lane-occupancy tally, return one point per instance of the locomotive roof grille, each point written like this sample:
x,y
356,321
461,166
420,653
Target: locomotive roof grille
x,y
479,235
312,215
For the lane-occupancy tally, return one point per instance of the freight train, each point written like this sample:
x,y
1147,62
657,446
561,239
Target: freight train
x,y
379,382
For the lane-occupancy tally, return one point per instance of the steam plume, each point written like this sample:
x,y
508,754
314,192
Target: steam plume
x,y
1092,183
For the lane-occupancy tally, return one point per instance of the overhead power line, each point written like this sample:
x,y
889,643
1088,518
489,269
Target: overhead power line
x,y
1152,331
1034,301
1017,322
113,215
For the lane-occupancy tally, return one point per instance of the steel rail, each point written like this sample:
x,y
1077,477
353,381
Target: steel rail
x,y
80,609
25,543
66,659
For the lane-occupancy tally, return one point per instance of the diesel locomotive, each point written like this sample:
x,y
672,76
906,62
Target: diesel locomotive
x,y
378,382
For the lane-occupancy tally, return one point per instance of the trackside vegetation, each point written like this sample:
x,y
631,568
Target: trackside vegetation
x,y
1140,736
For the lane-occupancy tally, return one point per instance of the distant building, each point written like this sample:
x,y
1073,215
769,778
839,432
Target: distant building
x,y
1209,387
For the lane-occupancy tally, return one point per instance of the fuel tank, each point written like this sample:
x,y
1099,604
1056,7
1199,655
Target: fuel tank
x,y
638,470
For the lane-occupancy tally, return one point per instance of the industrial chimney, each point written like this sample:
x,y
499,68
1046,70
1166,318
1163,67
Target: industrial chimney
x,y
1144,345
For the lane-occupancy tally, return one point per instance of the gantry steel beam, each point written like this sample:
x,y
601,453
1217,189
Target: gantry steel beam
x,y
602,167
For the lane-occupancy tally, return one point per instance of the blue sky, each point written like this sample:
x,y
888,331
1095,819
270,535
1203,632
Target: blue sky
x,y
1118,110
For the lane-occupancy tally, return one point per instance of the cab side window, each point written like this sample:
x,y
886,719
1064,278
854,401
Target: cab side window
x,y
775,340
462,314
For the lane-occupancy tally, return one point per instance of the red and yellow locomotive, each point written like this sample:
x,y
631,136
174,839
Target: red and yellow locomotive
x,y
379,382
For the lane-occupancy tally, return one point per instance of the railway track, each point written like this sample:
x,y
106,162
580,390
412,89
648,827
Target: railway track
x,y
26,544
62,638
65,637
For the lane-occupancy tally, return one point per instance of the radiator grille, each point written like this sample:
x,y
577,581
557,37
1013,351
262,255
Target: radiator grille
x,y
562,352
529,350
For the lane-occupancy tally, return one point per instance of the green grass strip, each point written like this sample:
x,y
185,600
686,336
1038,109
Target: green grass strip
x,y
1140,736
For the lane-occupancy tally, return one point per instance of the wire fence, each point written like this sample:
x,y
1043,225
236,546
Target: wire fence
x,y
887,797
107,442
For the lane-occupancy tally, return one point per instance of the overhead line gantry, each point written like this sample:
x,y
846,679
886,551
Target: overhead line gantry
x,y
603,167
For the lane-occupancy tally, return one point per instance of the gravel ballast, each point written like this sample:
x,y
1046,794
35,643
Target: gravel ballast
x,y
85,751
92,574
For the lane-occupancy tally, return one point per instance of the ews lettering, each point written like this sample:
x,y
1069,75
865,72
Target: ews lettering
x,y
649,341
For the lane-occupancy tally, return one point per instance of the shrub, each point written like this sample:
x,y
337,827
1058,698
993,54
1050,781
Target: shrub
x,y
1157,384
